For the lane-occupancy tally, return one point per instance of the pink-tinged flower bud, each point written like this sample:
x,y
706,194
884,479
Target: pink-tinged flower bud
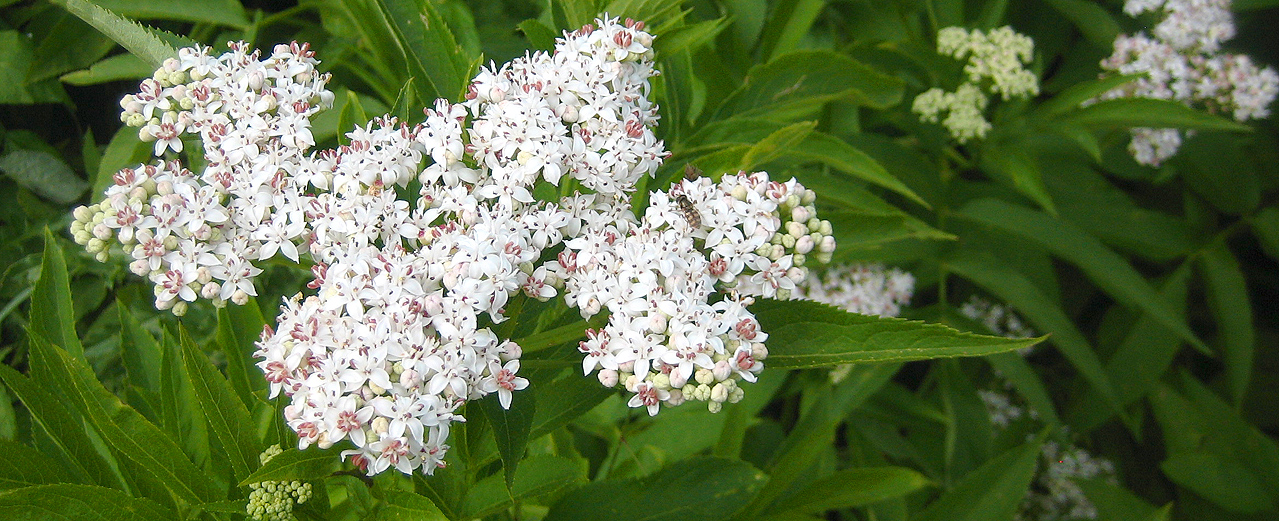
x,y
511,351
678,379
676,398
800,213
210,290
722,370
140,267
626,367
827,245
608,377
804,245
240,298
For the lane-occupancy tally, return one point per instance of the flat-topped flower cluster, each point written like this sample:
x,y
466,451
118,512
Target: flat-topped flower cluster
x,y
397,333
1182,61
994,62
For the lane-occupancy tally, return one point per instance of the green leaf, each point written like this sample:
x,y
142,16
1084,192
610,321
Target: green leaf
x,y
1018,372
122,427
1096,24
51,314
139,40
8,418
992,491
221,12
787,24
141,354
1096,205
854,488
238,330
688,37
125,149
815,431
1113,501
65,502
65,430
563,400
114,68
866,230
45,174
1219,168
22,466
1014,164
697,488
540,36
227,416
804,334
801,82
297,465
351,116
434,57
403,505
536,476
1148,112
511,428
1231,308
1265,226
838,154
776,144
1018,291
1226,483
1104,267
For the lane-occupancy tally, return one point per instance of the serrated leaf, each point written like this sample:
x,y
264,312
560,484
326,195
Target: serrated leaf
x,y
992,491
839,155
804,334
403,505
434,57
1108,270
122,427
776,144
510,428
141,354
64,428
1148,112
227,416
139,40
65,502
801,82
697,488
853,488
297,465
52,316
22,466
535,477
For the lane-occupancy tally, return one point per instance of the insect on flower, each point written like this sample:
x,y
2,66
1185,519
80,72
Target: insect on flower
x,y
685,206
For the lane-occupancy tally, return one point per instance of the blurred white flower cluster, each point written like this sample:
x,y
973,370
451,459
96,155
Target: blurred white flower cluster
x,y
994,62
397,335
1183,62
274,500
1054,495
677,281
996,317
868,289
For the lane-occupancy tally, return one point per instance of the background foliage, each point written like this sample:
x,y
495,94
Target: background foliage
x,y
1151,282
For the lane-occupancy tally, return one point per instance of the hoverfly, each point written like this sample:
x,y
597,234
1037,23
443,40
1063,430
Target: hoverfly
x,y
682,202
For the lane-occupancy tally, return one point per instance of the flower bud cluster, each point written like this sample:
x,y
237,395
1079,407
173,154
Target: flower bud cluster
x,y
274,500
868,289
994,59
677,281
199,235
1183,62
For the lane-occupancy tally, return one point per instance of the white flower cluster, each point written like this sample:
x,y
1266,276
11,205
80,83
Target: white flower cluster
x,y
996,317
994,59
677,281
1183,62
274,500
1054,495
200,234
868,289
